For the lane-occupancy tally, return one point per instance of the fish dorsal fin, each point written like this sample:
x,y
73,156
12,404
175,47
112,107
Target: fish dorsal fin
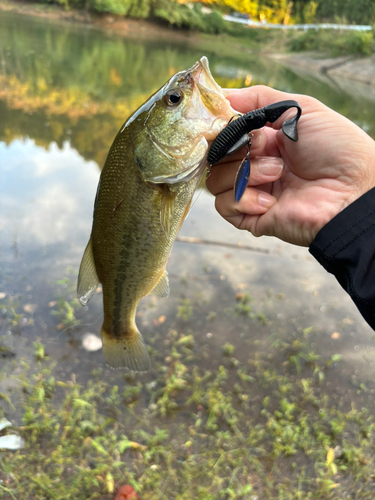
x,y
162,286
167,204
88,280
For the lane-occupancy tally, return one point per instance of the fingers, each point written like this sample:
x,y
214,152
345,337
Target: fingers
x,y
263,143
263,170
253,204
259,96
258,143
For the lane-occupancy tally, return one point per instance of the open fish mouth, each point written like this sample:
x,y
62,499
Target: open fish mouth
x,y
213,99
203,77
205,113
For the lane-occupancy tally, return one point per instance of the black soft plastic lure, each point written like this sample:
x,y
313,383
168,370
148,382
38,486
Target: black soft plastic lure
x,y
236,135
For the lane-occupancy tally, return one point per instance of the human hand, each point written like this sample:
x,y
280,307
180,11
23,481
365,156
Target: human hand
x,y
295,188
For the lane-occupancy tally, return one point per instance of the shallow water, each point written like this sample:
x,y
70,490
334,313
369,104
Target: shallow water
x,y
65,90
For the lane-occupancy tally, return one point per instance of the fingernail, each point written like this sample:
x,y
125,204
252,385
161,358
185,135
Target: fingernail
x,y
270,166
266,200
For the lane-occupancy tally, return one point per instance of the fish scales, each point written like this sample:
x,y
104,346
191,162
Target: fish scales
x,y
145,190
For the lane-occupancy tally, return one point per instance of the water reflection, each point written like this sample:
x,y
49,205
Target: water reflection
x,y
65,92
46,193
59,83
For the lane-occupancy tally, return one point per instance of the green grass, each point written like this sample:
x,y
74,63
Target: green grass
x,y
267,426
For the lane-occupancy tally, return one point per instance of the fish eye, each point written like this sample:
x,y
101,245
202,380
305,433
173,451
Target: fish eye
x,y
173,97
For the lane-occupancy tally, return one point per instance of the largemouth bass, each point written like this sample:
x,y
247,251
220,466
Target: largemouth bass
x,y
145,190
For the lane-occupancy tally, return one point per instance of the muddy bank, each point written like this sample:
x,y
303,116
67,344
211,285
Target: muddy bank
x,y
349,73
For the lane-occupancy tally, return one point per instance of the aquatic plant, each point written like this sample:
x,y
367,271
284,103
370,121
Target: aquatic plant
x,y
269,424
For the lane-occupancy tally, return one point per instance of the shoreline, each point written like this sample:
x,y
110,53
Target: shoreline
x,y
351,73
359,69
107,22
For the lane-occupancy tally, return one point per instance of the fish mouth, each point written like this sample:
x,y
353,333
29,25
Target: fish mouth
x,y
212,97
208,109
203,78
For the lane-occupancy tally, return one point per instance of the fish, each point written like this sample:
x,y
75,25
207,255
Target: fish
x,y
144,193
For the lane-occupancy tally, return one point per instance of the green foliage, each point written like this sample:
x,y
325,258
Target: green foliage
x,y
188,17
130,8
228,349
214,23
185,311
337,43
309,12
180,15
351,11
67,4
120,7
333,11
360,43
305,41
140,8
39,352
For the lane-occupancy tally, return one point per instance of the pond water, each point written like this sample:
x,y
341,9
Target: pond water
x,y
65,90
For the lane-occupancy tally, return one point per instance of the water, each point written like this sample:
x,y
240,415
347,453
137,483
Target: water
x,y
65,91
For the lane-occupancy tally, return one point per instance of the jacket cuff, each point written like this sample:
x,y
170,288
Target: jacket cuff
x,y
351,226
345,247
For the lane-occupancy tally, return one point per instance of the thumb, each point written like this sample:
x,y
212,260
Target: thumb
x,y
247,99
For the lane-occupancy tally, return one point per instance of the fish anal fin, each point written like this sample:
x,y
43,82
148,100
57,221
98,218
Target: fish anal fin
x,y
162,286
128,351
88,280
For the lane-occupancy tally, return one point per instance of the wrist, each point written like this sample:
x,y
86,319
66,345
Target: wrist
x,y
360,180
349,223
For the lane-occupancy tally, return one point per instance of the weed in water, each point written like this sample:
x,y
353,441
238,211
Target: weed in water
x,y
257,427
185,311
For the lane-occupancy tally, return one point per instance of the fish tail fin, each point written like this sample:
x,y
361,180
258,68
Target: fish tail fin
x,y
128,351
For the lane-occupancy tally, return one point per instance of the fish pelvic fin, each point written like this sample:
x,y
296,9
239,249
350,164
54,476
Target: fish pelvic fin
x,y
127,351
161,287
88,280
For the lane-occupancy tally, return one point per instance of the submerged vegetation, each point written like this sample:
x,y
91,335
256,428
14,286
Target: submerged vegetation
x,y
236,431
263,417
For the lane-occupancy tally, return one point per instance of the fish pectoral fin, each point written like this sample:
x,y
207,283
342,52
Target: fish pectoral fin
x,y
162,286
88,280
167,205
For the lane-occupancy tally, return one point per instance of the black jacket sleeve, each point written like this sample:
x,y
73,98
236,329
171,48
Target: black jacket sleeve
x,y
346,248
